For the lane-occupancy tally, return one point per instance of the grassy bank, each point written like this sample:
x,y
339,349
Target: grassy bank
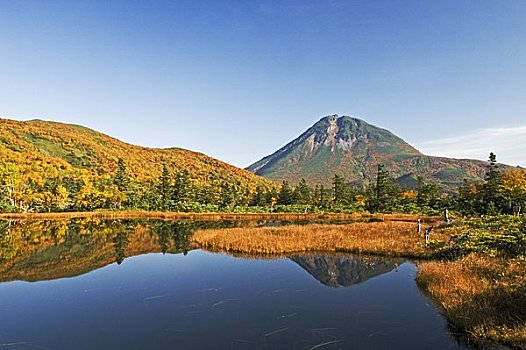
x,y
484,292
482,295
391,238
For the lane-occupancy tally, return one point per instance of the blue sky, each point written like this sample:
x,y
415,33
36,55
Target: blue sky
x,y
239,79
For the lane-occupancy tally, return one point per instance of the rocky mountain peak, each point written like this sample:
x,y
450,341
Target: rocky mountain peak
x,y
352,148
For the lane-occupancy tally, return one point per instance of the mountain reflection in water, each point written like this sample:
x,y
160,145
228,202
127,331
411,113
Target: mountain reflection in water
x,y
344,270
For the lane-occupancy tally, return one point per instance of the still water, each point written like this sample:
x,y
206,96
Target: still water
x,y
141,285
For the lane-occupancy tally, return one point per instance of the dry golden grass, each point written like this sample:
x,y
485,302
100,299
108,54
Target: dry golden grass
x,y
387,238
482,295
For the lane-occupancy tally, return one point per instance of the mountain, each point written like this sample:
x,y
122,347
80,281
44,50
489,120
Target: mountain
x,y
43,149
343,270
352,148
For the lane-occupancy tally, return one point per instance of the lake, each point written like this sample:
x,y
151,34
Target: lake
x,y
92,284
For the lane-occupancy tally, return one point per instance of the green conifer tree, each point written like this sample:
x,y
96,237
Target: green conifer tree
x,y
285,194
302,193
227,196
121,179
182,191
492,197
339,190
165,188
382,195
259,198
427,193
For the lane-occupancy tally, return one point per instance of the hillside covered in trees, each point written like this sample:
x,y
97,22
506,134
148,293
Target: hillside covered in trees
x,y
49,166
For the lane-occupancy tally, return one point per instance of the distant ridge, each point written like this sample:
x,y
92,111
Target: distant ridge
x,y
46,149
352,148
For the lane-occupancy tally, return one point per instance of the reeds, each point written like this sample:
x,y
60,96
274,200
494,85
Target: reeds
x,y
385,238
482,295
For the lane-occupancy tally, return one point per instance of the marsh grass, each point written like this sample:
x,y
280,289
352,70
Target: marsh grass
x,y
390,238
482,295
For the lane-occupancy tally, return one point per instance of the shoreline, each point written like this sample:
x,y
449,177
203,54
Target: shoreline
x,y
168,216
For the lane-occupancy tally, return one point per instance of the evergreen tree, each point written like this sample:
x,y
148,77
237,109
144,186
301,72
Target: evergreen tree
x,y
206,194
323,197
383,195
340,190
243,199
285,194
302,193
315,200
228,196
182,191
165,189
492,199
122,179
427,193
259,198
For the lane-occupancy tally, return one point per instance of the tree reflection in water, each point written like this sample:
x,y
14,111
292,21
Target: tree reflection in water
x,y
36,250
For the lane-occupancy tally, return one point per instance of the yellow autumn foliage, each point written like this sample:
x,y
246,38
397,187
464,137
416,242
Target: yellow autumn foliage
x,y
32,152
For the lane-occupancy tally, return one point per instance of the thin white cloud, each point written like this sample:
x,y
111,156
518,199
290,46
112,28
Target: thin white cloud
x,y
509,144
